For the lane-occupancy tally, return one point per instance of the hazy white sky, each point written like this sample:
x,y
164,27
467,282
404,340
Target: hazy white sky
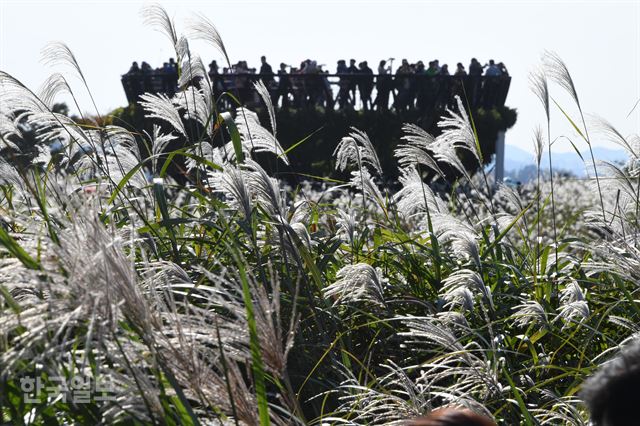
x,y
599,41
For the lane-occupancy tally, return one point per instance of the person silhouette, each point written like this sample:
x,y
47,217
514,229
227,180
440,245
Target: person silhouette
x,y
217,83
492,69
284,87
403,84
343,84
365,85
460,71
384,85
147,79
475,69
266,73
171,75
503,69
474,82
353,81
135,69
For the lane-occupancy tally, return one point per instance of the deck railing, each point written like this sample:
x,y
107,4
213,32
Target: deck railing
x,y
338,91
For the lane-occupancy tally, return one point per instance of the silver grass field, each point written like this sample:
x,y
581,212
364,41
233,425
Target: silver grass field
x,y
239,300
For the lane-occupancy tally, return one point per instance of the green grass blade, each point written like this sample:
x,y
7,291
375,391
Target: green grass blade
x,y
162,205
15,307
516,393
254,344
235,136
575,127
16,250
300,142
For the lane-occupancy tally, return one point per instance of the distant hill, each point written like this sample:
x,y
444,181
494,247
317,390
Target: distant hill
x,y
520,164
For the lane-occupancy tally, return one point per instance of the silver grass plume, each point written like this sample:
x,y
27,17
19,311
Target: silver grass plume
x,y
625,323
540,88
157,17
393,399
512,199
300,212
634,161
53,126
460,234
611,133
10,176
453,319
190,340
159,142
621,183
295,229
416,149
98,289
201,28
461,373
347,226
559,72
296,234
459,287
197,334
255,138
57,52
17,97
182,48
266,190
53,86
415,196
205,150
528,313
192,70
112,160
231,183
538,145
356,283
458,132
121,136
513,205
161,107
362,180
555,410
573,304
266,98
196,104
356,150
623,261
228,294
43,157
9,129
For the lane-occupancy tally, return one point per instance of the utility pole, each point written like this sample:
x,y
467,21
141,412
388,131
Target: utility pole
x,y
499,168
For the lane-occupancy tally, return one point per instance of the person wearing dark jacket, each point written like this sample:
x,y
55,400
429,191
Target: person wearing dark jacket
x,y
611,394
284,86
343,94
365,85
353,81
475,69
384,85
266,73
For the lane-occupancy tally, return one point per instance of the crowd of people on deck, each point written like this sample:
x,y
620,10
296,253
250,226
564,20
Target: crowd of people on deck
x,y
147,79
412,85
